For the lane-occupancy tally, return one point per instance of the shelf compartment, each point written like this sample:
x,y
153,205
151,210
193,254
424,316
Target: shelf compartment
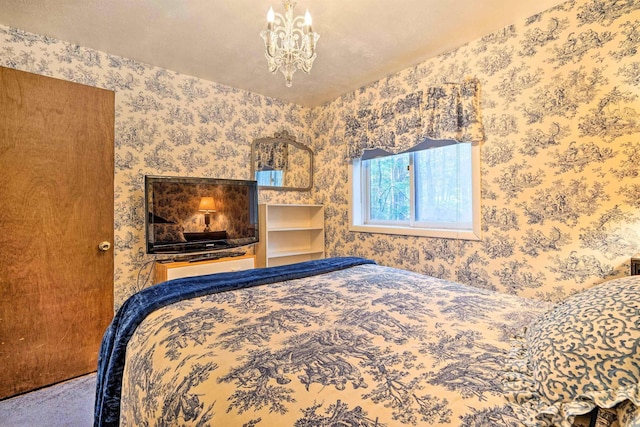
x,y
285,229
295,216
293,253
290,234
273,262
296,241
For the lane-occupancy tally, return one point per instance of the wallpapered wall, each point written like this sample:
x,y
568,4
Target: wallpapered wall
x,y
165,124
561,157
560,161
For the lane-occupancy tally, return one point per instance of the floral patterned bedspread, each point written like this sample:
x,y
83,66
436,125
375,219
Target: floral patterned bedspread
x,y
364,346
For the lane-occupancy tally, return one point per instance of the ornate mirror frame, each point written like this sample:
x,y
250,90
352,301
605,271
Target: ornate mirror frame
x,y
282,138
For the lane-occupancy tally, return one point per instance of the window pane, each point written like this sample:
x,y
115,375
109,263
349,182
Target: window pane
x,y
444,185
388,182
269,178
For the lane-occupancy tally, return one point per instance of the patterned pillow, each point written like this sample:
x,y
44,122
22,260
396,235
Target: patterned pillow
x,y
582,354
628,414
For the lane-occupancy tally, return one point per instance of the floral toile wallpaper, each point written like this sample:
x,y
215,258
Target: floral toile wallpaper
x,y
165,124
560,159
560,103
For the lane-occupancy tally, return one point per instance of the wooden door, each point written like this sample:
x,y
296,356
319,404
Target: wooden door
x,y
56,206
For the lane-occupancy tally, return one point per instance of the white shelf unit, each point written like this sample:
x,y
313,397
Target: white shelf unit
x,y
290,234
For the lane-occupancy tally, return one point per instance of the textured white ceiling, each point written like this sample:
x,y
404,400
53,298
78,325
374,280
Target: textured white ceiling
x,y
360,41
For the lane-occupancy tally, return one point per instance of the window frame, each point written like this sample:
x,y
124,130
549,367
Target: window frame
x,y
358,203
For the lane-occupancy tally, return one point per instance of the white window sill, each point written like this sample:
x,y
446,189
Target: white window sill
x,y
421,232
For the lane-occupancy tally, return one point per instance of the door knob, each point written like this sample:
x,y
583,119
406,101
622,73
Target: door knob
x,y
104,246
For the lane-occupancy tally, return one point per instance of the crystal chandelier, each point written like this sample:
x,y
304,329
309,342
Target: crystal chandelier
x,y
290,42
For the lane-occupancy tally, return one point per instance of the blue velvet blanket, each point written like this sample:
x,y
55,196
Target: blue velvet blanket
x,y
135,309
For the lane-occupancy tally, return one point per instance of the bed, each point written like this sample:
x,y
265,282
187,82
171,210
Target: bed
x,y
340,342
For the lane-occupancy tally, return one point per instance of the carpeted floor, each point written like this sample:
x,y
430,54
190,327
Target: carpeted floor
x,y
68,404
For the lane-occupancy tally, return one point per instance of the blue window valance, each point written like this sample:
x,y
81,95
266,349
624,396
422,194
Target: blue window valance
x,y
440,115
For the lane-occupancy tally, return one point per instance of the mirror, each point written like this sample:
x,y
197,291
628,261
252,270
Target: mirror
x,y
282,163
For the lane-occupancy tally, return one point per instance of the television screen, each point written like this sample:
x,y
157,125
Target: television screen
x,y
185,215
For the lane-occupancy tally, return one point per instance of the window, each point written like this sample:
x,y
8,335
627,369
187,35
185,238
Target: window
x,y
269,178
429,192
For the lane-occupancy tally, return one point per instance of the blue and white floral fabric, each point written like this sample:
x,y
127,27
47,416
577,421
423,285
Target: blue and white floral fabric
x,y
582,354
366,346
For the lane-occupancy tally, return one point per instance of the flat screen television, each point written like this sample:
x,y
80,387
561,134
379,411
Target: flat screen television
x,y
190,215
